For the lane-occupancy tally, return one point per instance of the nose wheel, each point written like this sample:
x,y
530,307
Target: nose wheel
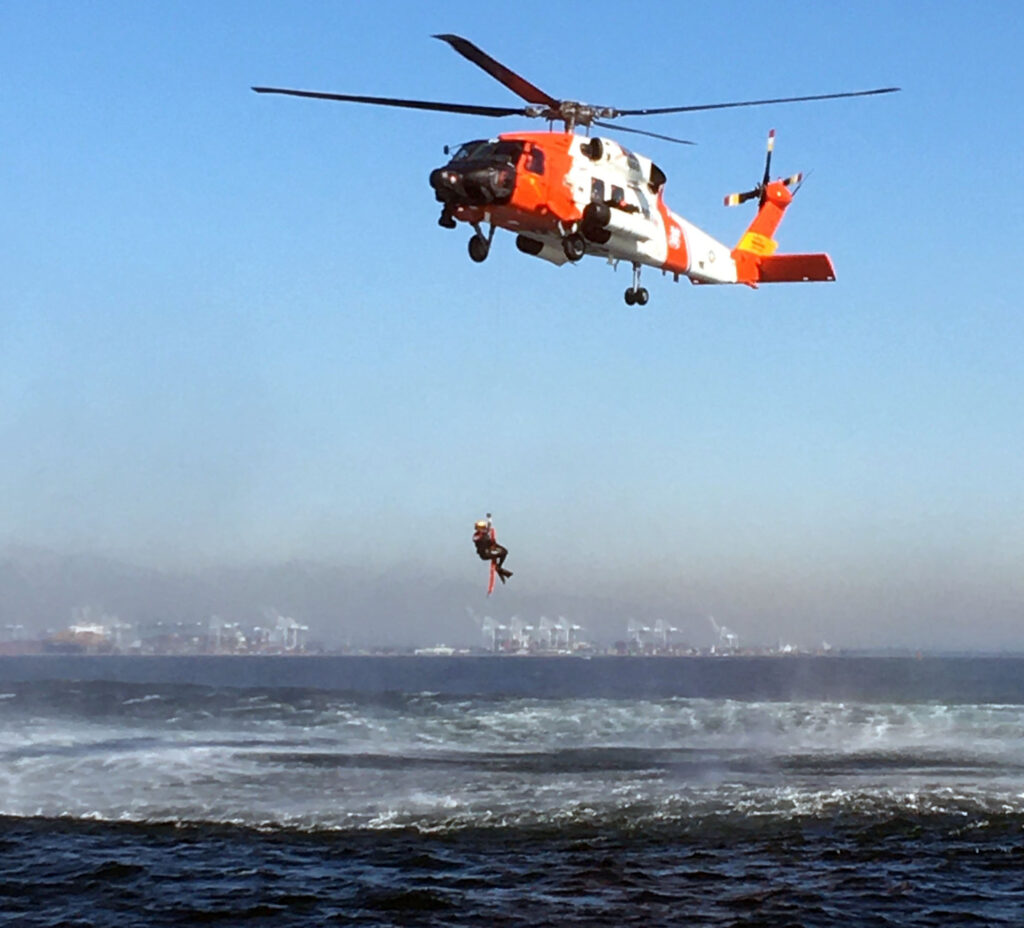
x,y
637,295
479,248
480,244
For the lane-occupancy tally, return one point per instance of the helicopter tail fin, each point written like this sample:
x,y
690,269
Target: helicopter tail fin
x,y
757,240
754,254
778,269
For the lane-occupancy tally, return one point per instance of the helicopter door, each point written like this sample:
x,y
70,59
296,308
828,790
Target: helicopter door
x,y
532,183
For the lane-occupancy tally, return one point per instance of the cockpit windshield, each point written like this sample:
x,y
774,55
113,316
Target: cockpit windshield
x,y
489,150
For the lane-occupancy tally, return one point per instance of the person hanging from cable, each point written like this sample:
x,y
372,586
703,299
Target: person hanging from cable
x,y
488,549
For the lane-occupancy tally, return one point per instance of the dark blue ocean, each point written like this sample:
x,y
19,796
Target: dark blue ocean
x,y
511,791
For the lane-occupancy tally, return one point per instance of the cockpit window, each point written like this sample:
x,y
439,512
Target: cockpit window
x,y
507,151
535,160
489,150
465,152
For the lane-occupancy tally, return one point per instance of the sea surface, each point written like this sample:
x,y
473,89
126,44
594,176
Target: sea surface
x,y
503,791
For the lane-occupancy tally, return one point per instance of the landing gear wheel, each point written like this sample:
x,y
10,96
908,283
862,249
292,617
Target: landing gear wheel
x,y
636,294
479,248
574,246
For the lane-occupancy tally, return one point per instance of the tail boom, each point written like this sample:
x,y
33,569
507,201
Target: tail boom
x,y
755,254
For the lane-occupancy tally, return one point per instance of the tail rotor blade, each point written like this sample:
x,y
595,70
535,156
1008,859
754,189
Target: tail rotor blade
x,y
734,199
797,181
761,190
768,158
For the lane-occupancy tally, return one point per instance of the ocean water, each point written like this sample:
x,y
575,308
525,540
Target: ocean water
x,y
511,792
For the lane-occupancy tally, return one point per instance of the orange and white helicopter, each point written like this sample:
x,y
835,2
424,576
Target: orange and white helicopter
x,y
568,195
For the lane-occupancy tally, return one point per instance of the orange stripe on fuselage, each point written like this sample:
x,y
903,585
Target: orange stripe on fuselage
x,y
676,259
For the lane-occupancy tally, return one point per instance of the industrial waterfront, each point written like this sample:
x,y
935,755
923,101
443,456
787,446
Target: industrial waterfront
x,y
94,632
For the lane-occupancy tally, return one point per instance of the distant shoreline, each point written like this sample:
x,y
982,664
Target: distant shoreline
x,y
947,679
463,654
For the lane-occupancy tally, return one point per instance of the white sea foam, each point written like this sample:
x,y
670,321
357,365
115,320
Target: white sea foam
x,y
436,764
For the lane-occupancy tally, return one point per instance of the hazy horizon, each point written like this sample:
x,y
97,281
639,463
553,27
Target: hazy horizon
x,y
410,605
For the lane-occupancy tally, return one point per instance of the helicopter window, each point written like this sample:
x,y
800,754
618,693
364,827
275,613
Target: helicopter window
x,y
658,178
596,190
618,195
488,150
645,206
535,160
467,151
506,151
634,165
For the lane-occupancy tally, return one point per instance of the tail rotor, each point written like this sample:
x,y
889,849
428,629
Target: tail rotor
x,y
760,191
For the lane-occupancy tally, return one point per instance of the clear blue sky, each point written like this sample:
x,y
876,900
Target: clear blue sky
x,y
232,330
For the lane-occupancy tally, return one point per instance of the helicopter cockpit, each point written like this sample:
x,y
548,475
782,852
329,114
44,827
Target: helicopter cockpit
x,y
480,173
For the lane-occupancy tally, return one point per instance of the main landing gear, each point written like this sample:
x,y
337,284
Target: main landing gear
x,y
574,246
637,295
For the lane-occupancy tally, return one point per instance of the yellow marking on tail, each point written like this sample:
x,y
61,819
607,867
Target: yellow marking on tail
x,y
757,243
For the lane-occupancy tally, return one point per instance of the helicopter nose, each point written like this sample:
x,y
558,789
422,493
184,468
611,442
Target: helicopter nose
x,y
446,181
473,185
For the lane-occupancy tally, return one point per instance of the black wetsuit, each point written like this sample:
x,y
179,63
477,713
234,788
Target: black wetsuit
x,y
488,549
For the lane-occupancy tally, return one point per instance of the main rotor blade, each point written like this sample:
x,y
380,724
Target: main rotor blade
x,y
653,135
518,85
466,108
723,106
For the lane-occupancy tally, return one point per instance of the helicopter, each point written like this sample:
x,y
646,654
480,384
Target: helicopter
x,y
567,194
